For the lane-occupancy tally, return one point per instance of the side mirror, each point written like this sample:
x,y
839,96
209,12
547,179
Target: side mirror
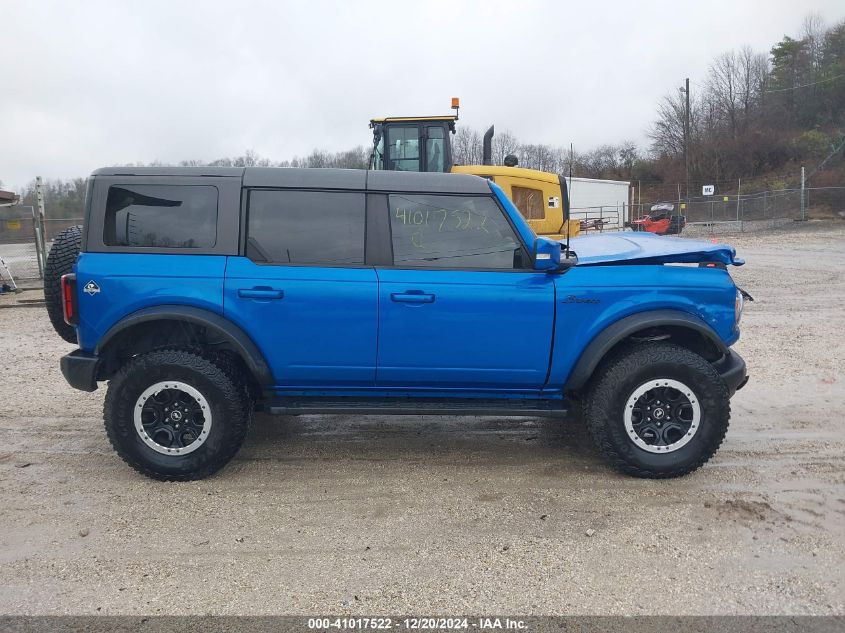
x,y
548,256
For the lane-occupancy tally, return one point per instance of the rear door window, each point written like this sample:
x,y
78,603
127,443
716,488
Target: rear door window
x,y
441,231
306,227
161,216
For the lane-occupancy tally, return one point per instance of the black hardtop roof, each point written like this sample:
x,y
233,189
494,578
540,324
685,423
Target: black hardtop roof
x,y
170,171
312,178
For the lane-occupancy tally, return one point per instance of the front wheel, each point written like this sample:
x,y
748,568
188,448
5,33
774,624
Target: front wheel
x,y
657,410
176,416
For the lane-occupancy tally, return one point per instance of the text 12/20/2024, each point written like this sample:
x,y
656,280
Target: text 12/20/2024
x,y
417,623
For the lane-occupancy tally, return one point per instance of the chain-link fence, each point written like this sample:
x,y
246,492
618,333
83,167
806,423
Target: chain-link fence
x,y
19,245
22,251
753,211
722,213
21,248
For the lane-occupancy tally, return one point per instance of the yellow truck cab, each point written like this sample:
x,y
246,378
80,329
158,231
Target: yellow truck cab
x,y
424,144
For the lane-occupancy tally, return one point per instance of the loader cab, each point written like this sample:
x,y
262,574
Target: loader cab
x,y
413,143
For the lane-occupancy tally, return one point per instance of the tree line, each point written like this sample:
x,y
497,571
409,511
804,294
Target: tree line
x,y
755,116
758,116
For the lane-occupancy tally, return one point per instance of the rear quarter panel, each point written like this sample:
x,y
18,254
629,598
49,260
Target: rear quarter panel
x,y
129,282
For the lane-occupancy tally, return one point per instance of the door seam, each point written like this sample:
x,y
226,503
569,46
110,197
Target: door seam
x,y
378,326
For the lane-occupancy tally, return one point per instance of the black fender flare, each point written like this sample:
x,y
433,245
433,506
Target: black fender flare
x,y
625,327
240,341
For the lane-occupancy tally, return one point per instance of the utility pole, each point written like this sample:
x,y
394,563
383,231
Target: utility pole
x,y
639,198
686,133
803,207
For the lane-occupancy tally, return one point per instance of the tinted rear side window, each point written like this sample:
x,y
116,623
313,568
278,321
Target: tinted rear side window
x,y
306,227
437,231
161,216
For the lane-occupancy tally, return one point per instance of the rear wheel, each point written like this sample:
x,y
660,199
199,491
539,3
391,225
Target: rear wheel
x,y
174,415
60,261
657,410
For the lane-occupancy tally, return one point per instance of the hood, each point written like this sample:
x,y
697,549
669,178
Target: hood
x,y
647,248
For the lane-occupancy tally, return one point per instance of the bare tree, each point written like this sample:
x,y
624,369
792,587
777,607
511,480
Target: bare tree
x,y
628,156
813,33
466,147
667,132
723,90
503,144
734,87
753,70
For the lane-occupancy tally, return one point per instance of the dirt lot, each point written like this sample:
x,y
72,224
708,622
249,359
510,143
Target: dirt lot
x,y
327,514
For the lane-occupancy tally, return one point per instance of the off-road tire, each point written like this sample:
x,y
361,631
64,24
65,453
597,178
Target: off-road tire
x,y
238,373
227,397
616,380
60,261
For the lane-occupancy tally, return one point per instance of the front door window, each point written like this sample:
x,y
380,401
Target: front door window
x,y
442,231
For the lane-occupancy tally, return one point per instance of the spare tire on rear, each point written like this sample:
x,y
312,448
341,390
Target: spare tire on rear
x,y
60,262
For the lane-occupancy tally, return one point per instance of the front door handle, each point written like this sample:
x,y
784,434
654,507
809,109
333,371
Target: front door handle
x,y
261,293
411,296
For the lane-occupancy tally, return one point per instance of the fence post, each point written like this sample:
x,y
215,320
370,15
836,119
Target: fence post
x,y
738,194
37,238
38,224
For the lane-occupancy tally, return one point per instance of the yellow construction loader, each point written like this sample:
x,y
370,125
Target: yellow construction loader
x,y
424,144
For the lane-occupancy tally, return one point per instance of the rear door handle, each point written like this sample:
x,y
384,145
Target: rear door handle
x,y
411,297
261,293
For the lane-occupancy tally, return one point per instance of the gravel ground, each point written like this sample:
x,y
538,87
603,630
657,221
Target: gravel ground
x,y
367,515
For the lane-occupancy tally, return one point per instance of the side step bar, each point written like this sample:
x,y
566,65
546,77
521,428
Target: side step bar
x,y
415,406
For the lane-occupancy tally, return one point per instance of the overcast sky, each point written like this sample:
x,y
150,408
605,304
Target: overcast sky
x,y
88,84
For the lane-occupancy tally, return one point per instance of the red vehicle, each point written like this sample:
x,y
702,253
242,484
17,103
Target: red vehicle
x,y
661,220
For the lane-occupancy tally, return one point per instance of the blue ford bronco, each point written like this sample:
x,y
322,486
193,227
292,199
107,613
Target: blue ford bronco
x,y
204,294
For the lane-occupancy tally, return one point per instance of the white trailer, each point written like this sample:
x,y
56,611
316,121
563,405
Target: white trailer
x,y
602,203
